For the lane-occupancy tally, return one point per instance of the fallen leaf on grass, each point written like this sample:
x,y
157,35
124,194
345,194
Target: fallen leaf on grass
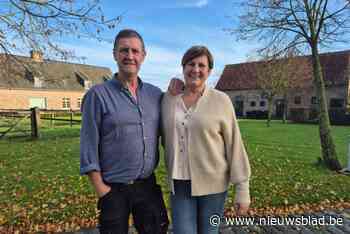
x,y
2,219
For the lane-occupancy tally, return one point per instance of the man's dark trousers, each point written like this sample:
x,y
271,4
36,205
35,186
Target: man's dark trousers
x,y
143,199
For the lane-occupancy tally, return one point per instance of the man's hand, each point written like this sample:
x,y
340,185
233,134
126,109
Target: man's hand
x,y
176,86
102,190
96,180
241,208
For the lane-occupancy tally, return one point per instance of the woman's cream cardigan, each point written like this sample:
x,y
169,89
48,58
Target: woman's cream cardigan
x,y
216,152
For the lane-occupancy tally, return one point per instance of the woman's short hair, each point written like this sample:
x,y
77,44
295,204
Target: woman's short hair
x,y
197,51
128,33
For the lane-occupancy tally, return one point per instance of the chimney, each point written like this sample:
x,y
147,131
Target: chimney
x,y
36,56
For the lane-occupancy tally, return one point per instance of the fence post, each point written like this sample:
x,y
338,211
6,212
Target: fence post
x,y
51,121
35,122
71,118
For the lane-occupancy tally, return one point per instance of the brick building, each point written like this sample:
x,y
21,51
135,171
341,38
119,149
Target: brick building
x,y
27,82
239,81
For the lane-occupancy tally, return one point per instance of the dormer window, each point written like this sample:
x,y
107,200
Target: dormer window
x,y
83,79
87,84
106,78
38,83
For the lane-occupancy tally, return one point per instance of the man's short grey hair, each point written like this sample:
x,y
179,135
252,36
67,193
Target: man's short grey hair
x,y
127,33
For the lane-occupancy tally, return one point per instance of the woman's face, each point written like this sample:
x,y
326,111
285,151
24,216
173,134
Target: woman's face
x,y
196,71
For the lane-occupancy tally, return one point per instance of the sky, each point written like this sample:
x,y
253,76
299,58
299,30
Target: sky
x,y
169,28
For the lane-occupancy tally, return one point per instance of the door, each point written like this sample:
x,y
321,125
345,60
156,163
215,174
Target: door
x,y
279,108
38,102
239,106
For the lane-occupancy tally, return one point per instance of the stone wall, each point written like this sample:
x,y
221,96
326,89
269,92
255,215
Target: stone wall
x,y
299,100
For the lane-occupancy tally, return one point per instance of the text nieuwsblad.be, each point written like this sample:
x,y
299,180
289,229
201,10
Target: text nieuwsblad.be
x,y
216,220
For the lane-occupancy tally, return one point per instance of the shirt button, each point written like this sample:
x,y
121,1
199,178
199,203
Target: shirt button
x,y
181,150
183,123
143,124
145,138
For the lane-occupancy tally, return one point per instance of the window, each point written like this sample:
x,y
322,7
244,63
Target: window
x,y
336,103
87,84
79,103
314,100
262,103
238,98
297,100
65,102
253,103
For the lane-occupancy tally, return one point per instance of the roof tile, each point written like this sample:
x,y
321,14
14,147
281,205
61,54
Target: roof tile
x,y
243,76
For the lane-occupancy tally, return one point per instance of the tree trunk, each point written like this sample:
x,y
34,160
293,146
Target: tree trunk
x,y
329,153
285,108
269,110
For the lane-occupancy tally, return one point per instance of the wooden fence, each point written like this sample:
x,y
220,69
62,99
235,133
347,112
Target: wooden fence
x,y
54,116
12,119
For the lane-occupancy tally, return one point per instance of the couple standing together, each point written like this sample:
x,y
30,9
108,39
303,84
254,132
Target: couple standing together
x,y
122,121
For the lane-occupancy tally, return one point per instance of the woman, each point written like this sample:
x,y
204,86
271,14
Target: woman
x,y
204,151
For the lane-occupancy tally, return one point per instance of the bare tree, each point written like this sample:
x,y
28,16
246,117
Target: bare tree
x,y
305,25
275,76
39,24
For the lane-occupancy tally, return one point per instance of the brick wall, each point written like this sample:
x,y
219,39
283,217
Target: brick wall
x,y
305,105
20,98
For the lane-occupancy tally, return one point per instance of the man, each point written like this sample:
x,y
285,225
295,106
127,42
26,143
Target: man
x,y
119,144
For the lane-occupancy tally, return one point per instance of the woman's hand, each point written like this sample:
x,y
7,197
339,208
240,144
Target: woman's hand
x,y
176,86
241,209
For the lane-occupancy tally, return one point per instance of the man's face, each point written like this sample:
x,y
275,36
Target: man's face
x,y
129,55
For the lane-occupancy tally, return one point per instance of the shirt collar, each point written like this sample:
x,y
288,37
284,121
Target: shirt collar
x,y
121,86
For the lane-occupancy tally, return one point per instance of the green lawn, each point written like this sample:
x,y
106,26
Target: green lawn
x,y
40,182
284,164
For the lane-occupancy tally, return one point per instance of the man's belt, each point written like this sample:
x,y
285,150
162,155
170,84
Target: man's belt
x,y
150,179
